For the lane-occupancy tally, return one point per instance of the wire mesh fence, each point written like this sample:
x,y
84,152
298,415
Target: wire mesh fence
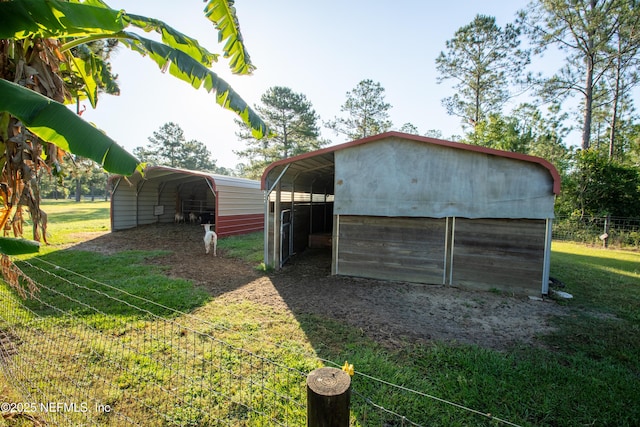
x,y
76,365
614,231
74,362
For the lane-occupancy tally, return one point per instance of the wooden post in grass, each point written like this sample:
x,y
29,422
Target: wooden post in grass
x,y
328,396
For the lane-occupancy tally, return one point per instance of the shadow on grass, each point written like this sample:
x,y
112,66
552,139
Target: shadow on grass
x,y
593,358
525,385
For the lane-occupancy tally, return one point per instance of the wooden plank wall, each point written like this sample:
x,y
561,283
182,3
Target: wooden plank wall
x,y
499,254
390,248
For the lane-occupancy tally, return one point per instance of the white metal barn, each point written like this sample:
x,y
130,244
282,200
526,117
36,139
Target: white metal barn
x,y
404,207
234,205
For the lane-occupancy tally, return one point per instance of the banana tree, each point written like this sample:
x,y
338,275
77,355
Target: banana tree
x,y
43,56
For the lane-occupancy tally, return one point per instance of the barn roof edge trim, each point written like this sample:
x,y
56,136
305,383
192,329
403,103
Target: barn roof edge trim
x,y
211,177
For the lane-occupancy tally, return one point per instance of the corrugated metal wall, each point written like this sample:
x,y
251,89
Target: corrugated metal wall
x,y
234,200
124,212
398,198
147,199
394,199
240,207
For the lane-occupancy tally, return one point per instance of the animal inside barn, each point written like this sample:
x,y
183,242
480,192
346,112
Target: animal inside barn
x,y
164,195
408,208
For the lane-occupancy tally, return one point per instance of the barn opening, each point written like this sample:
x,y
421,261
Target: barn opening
x,y
300,209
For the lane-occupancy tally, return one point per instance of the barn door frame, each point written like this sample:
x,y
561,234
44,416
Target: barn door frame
x,y
286,235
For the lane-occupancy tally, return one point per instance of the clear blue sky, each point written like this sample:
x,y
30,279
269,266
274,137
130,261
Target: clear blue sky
x,y
320,49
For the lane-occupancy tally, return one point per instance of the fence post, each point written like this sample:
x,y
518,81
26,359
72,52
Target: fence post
x,y
607,224
328,396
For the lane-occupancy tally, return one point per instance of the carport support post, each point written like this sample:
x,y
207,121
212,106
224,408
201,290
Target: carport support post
x,y
277,238
328,396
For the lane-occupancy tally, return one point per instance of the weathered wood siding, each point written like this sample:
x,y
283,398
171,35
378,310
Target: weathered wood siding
x,y
499,254
390,248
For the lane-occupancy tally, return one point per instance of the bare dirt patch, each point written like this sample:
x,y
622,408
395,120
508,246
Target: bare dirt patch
x,y
389,312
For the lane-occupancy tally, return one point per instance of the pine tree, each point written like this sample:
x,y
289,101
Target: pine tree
x,y
293,121
367,112
483,59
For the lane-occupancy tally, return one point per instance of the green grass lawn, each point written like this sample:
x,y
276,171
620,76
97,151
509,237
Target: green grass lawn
x,y
587,372
67,216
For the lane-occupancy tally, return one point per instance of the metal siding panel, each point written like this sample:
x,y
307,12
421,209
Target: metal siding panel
x,y
123,207
239,224
398,177
239,200
147,199
168,200
230,181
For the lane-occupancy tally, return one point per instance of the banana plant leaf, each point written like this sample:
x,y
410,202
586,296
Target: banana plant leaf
x,y
223,15
12,246
21,19
53,122
92,20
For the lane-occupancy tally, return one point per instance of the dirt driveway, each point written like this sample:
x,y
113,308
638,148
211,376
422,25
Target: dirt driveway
x,y
389,312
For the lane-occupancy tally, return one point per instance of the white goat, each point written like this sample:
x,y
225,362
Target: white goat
x,y
210,239
178,218
193,217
